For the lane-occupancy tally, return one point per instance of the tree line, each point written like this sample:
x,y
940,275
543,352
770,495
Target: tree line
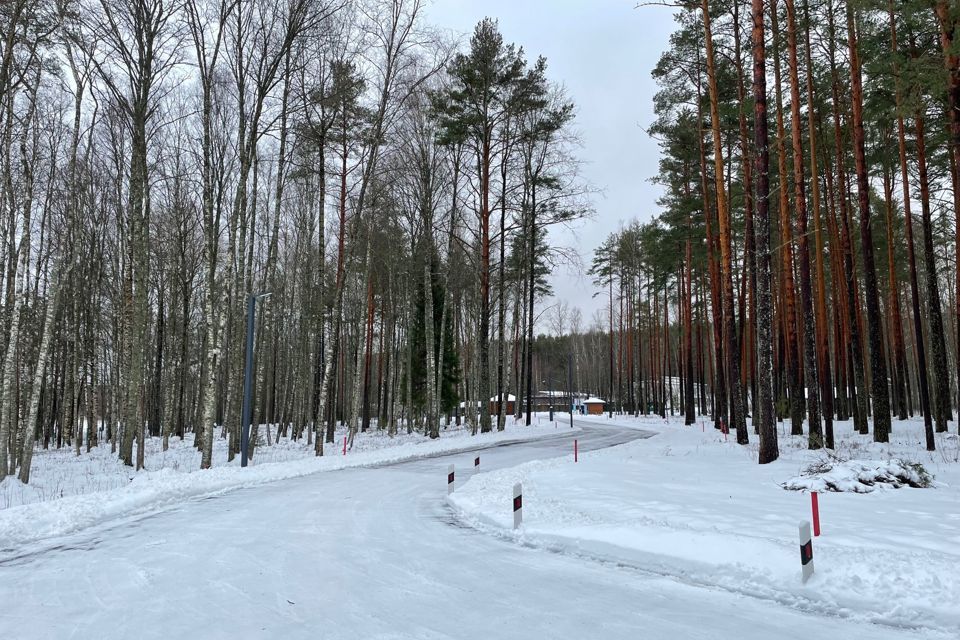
x,y
803,264
163,160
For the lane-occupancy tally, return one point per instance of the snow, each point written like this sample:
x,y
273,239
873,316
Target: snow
x,y
859,476
687,504
370,553
68,493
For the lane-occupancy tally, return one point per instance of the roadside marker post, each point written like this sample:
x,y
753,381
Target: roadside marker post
x,y
450,479
815,507
476,462
344,445
806,551
574,449
517,505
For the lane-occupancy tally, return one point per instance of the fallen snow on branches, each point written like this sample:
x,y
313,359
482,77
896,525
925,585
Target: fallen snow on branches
x,y
860,476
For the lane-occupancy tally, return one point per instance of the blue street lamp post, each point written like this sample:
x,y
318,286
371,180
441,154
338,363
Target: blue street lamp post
x,y
248,378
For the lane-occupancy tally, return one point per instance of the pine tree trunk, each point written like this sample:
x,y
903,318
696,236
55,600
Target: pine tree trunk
x,y
484,324
719,411
748,320
855,355
501,288
918,341
531,291
737,418
823,335
899,353
764,416
789,312
878,367
941,375
690,412
815,440
948,16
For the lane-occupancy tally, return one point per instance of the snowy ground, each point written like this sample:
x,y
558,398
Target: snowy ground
x,y
68,492
688,505
372,553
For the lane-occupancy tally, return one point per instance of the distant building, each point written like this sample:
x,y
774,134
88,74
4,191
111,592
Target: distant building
x,y
495,404
593,406
543,401
547,400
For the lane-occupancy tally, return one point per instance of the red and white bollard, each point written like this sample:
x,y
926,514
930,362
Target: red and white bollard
x,y
815,508
450,479
806,551
574,449
517,505
344,445
476,462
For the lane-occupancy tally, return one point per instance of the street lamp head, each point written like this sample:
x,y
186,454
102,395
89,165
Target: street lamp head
x,y
261,296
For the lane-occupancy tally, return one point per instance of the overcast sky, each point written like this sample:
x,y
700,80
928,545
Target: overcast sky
x,y
603,52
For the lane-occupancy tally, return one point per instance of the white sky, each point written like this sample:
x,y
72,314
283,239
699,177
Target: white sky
x,y
603,51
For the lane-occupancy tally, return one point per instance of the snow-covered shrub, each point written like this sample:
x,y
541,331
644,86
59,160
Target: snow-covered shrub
x,y
859,476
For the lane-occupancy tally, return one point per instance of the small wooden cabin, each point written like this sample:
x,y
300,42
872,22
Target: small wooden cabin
x,y
495,404
593,406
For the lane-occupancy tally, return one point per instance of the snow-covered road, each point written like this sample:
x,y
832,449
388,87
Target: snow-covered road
x,y
365,553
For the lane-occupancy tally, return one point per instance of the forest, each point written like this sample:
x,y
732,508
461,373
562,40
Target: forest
x,y
374,188
382,194
802,266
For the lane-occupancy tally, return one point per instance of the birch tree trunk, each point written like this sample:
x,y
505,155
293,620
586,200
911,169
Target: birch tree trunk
x,y
29,427
433,422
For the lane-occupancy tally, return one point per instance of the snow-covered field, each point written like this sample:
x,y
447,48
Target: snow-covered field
x,y
688,505
68,492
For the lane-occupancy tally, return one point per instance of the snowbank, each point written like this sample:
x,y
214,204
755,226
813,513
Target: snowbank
x,y
688,505
860,476
102,488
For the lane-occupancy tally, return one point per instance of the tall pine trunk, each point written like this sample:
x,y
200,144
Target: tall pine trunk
x,y
878,367
938,348
769,450
918,341
787,287
823,334
815,440
737,417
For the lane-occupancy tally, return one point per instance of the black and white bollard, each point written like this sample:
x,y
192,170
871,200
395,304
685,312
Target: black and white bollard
x,y
806,550
517,505
449,479
476,462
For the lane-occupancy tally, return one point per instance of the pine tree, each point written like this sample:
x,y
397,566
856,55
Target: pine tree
x,y
769,450
471,109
